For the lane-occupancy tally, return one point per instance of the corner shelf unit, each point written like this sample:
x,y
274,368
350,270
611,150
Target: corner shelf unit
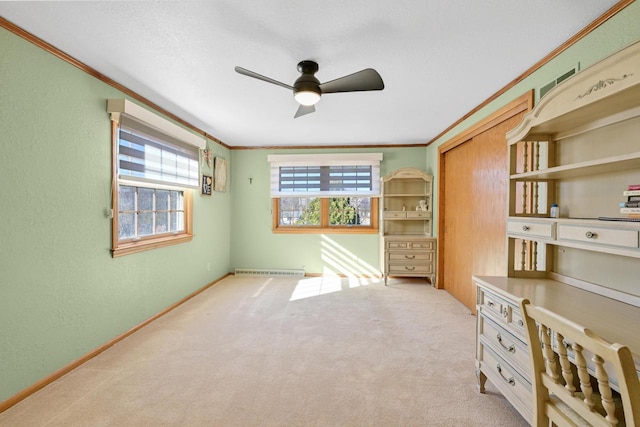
x,y
578,148
407,248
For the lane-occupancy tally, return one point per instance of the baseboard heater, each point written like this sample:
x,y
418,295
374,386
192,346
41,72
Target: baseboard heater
x,y
268,272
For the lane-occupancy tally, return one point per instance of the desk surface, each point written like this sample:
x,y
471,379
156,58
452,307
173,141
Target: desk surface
x,y
613,320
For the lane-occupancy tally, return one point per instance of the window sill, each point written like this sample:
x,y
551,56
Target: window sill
x,y
146,245
320,230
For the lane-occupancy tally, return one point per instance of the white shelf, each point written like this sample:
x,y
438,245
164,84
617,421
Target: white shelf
x,y
592,167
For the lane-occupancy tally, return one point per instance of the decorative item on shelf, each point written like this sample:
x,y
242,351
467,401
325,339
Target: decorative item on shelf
x,y
554,211
220,183
206,185
423,205
207,156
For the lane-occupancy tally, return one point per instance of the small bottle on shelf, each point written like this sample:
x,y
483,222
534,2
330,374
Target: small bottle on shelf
x,y
555,211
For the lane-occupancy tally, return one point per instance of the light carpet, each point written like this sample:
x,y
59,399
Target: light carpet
x,y
254,351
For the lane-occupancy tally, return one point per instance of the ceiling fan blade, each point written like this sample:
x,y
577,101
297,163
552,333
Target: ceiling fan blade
x,y
367,79
304,109
249,73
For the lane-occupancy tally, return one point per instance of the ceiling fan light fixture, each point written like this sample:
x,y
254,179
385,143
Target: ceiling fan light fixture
x,y
307,97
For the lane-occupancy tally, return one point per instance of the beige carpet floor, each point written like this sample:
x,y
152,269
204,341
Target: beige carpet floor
x,y
253,351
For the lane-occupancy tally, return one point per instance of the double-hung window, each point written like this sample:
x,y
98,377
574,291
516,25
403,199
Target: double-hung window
x,y
155,168
325,193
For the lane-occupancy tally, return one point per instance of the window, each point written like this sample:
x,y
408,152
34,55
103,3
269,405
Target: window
x,y
325,193
155,168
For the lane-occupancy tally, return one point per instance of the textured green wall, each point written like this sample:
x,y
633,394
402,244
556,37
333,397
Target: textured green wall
x,y
61,293
315,253
616,33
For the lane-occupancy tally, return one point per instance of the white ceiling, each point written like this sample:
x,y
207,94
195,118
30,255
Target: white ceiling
x,y
439,59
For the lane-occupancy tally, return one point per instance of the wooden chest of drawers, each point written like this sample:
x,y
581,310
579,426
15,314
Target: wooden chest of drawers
x,y
410,256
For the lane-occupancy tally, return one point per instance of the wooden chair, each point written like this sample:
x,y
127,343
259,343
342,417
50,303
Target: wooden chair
x,y
562,399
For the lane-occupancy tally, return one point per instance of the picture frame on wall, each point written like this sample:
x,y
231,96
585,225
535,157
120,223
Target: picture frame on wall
x,y
220,173
206,185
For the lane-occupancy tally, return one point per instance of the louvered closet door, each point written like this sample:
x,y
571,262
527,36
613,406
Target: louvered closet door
x,y
474,210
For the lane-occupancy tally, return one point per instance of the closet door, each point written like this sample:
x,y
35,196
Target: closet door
x,y
473,204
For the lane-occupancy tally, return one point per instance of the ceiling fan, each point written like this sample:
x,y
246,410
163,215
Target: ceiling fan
x,y
307,89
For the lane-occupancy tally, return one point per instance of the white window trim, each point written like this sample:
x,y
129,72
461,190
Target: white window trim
x,y
123,106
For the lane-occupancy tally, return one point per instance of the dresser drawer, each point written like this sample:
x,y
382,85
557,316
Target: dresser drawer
x,y
403,268
507,379
411,245
509,347
418,214
502,312
394,214
410,256
531,229
598,235
423,245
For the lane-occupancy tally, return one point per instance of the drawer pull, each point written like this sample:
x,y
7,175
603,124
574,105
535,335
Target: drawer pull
x,y
490,303
505,313
525,228
409,268
510,349
590,235
410,256
511,381
520,322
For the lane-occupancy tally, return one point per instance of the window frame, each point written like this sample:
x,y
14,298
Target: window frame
x,y
324,193
127,247
325,227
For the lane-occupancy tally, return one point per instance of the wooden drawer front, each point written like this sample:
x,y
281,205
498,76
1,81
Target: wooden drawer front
x,y
509,347
531,229
502,312
394,214
410,256
418,214
401,269
507,379
398,245
490,303
422,245
411,245
596,235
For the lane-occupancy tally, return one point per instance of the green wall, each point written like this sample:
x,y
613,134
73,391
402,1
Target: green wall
x,y
315,253
61,293
616,33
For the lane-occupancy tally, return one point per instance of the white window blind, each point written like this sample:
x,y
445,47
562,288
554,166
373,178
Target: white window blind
x,y
148,156
152,150
325,175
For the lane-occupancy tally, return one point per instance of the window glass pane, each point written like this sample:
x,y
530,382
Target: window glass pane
x,y
145,199
145,223
162,222
173,204
177,221
299,211
350,211
149,212
162,200
127,198
126,225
